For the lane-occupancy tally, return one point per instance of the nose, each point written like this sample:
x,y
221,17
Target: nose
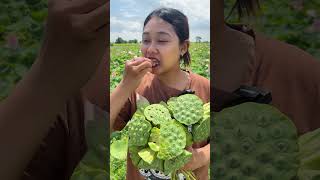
x,y
152,48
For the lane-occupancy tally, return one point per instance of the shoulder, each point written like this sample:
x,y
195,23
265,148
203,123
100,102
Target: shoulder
x,y
199,80
277,55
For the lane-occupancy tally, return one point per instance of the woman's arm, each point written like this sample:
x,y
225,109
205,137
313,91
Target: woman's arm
x,y
133,74
70,53
96,89
200,161
117,100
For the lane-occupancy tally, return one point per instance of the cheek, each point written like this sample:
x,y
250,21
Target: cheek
x,y
170,55
143,50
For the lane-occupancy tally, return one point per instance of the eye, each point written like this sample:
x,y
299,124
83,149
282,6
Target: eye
x,y
145,41
162,41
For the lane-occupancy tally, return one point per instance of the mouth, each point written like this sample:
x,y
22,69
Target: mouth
x,y
155,62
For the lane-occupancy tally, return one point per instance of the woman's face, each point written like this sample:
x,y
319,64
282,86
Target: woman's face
x,y
161,44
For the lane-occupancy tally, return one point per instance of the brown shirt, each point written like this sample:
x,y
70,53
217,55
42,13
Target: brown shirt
x,y
155,91
63,147
291,74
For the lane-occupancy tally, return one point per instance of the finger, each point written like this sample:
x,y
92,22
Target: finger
x,y
144,65
145,71
136,61
85,6
186,167
98,17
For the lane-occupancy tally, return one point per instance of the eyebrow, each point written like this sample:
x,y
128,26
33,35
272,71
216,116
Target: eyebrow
x,y
160,32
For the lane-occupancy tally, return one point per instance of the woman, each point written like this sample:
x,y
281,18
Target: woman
x,y
246,57
157,76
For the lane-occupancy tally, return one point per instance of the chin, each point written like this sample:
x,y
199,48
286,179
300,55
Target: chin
x,y
156,71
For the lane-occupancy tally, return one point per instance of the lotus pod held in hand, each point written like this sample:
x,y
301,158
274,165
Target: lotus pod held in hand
x,y
157,114
154,135
201,130
170,104
254,140
142,103
157,164
177,162
139,131
133,152
189,138
187,109
172,140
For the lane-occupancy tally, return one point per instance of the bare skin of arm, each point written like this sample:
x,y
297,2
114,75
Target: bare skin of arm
x,y
133,74
96,89
72,49
200,161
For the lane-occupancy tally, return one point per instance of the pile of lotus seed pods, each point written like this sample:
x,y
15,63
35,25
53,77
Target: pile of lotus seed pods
x,y
160,133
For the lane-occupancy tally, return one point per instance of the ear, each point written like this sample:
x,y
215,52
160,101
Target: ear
x,y
184,47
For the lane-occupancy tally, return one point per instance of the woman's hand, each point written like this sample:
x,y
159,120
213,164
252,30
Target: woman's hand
x,y
200,158
134,72
76,38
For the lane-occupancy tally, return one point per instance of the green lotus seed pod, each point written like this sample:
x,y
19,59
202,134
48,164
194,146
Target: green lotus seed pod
x,y
170,145
182,106
154,135
254,141
142,103
139,131
157,114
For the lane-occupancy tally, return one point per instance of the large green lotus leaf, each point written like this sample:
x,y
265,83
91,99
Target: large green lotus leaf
x,y
157,164
147,155
177,162
153,146
119,148
309,143
133,152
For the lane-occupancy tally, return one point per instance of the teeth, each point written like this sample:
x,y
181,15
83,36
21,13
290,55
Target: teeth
x,y
155,62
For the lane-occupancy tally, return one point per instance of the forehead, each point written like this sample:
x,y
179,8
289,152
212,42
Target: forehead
x,y
158,25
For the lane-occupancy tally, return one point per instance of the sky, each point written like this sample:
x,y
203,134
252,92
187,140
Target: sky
x,y
127,17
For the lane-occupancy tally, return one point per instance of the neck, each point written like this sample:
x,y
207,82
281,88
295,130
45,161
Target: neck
x,y
173,78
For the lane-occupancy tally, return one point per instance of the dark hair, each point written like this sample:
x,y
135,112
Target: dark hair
x,y
179,22
248,7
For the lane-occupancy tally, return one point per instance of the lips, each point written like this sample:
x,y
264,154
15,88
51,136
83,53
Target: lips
x,y
155,62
